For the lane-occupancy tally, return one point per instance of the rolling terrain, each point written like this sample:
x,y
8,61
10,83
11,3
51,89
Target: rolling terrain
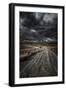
x,y
38,60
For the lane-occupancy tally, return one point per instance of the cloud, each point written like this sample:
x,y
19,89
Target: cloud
x,y
38,15
38,26
49,17
33,30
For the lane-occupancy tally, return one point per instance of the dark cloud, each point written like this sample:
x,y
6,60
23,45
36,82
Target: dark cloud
x,y
38,26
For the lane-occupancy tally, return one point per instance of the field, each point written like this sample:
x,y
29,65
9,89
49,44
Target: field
x,y
38,59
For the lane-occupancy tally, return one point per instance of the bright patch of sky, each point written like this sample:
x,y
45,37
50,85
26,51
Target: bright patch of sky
x,y
33,30
49,17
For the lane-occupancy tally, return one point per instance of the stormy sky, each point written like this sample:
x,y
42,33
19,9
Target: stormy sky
x,y
38,26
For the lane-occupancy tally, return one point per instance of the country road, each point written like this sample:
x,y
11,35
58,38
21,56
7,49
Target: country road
x,y
40,64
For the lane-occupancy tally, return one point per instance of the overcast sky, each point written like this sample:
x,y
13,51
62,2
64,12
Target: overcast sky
x,y
38,26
